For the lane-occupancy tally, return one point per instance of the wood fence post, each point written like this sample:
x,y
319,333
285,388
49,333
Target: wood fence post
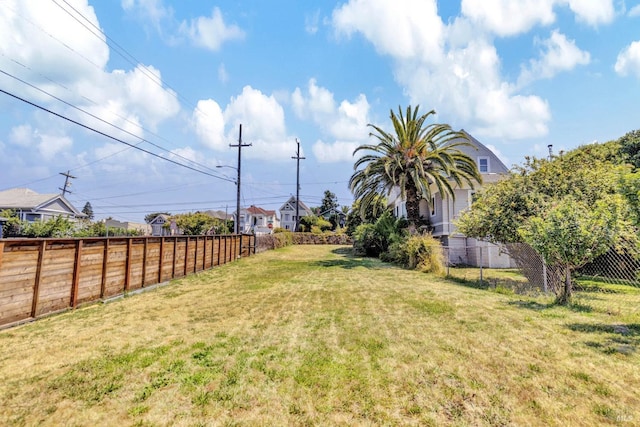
x,y
175,248
144,262
160,263
36,283
186,255
1,252
105,266
127,277
195,256
76,274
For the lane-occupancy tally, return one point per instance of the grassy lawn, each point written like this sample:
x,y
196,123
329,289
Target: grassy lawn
x,y
310,335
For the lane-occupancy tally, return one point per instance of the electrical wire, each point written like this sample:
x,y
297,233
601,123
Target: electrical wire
x,y
33,104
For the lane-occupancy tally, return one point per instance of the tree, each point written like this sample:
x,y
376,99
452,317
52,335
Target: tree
x,y
150,217
329,202
415,159
630,147
587,173
88,210
194,224
572,233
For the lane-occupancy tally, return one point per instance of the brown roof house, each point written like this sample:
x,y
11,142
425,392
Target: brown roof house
x,y
258,220
31,206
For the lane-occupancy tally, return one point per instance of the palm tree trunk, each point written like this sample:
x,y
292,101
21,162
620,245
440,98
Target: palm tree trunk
x,y
413,209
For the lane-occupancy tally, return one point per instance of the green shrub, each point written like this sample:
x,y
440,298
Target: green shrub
x,y
375,239
422,252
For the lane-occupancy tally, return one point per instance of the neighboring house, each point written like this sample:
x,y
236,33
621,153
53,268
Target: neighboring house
x,y
342,217
31,206
288,213
145,229
443,211
158,226
258,220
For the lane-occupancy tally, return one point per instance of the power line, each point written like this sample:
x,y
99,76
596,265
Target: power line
x,y
113,137
122,52
102,120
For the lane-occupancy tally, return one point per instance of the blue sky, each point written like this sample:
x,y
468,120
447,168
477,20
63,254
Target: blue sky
x,y
177,78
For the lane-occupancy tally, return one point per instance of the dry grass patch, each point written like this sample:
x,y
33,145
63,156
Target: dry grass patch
x,y
310,335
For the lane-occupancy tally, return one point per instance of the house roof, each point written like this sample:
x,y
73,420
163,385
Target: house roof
x,y
292,203
255,210
499,166
163,216
24,198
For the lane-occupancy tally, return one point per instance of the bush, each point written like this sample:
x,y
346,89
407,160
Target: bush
x,y
422,252
375,239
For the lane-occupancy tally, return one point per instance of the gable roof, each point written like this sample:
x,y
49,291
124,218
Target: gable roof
x,y
291,203
160,216
497,165
25,198
255,210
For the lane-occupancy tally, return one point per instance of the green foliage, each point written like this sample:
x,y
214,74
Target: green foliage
x,y
630,189
329,202
88,210
630,147
572,233
588,173
370,215
11,227
423,252
194,224
54,227
415,158
374,239
310,222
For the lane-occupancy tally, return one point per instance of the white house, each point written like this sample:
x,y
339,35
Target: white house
x,y
31,206
158,227
443,210
288,215
258,220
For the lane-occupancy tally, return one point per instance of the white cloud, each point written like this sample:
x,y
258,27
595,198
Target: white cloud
x,y
211,32
311,22
47,145
403,29
223,75
62,58
263,125
593,12
508,17
262,115
153,11
635,11
208,122
559,54
628,62
459,73
338,151
51,45
346,124
50,145
21,135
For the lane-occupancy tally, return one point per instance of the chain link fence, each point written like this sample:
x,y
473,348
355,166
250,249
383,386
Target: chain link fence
x,y
610,284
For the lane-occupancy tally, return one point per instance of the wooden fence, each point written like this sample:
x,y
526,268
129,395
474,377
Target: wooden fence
x,y
42,276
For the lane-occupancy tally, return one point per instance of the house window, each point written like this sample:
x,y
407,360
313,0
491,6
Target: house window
x,y
433,206
483,164
286,218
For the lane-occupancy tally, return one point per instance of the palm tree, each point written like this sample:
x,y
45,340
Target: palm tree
x,y
417,159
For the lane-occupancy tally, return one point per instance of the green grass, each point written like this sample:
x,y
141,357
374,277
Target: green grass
x,y
311,335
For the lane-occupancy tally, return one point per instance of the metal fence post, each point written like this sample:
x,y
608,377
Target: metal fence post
x,y
481,263
544,276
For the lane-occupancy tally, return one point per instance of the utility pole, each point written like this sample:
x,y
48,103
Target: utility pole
x,y
239,145
66,182
298,158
